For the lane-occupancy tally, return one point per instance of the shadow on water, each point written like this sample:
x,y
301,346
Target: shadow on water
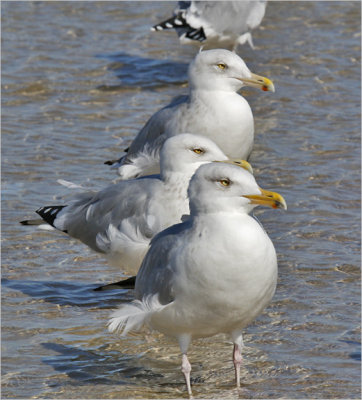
x,y
356,355
66,293
94,367
105,366
134,71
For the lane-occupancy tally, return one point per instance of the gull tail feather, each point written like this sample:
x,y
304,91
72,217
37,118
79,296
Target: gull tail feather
x,y
36,222
118,162
132,316
144,162
128,283
39,223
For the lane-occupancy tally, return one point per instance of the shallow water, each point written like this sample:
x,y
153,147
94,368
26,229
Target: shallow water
x,y
79,79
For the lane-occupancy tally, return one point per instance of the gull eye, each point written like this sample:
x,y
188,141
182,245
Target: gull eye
x,y
221,65
225,182
198,151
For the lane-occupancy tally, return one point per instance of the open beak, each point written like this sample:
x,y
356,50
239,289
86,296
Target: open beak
x,y
267,198
240,163
259,82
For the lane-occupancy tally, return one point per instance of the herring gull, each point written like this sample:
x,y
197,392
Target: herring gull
x,y
213,109
121,219
214,272
225,24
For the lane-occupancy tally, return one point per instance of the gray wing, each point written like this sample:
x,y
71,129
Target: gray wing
x,y
92,213
156,126
155,275
143,155
235,17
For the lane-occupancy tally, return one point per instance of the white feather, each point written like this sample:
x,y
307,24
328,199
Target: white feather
x,y
132,316
46,227
124,245
145,162
119,238
69,185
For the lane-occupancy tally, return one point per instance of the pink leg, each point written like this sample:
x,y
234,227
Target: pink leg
x,y
186,369
237,358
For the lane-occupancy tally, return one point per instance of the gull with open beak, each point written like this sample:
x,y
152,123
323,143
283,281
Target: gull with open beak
x,y
213,108
213,273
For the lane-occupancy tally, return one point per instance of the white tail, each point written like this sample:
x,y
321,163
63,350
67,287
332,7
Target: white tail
x,y
144,162
132,316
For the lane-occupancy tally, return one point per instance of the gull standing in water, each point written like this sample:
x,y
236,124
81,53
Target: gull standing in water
x,y
225,24
213,109
213,273
120,220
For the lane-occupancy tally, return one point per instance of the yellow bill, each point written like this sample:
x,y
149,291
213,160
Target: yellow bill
x,y
259,82
267,198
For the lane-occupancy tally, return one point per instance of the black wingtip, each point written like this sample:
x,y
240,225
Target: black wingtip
x,y
111,162
49,213
31,222
128,283
196,34
178,21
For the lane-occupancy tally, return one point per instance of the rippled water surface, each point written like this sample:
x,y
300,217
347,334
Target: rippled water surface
x,y
79,79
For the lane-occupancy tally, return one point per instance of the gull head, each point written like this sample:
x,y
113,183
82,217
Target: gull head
x,y
221,187
186,152
220,69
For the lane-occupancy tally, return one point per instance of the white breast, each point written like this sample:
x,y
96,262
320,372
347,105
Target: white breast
x,y
227,285
228,121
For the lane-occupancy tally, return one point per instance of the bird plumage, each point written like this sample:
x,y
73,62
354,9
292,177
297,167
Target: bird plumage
x,y
212,24
213,109
213,273
120,220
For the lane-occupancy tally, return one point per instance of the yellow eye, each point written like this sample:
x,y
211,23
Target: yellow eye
x,y
221,65
225,182
198,151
